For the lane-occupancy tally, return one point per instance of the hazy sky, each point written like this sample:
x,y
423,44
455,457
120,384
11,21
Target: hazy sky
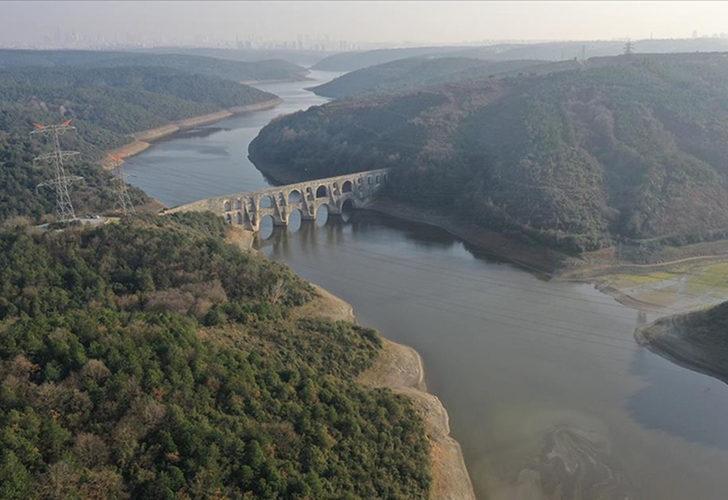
x,y
23,23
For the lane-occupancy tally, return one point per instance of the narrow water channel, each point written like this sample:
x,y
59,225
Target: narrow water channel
x,y
547,391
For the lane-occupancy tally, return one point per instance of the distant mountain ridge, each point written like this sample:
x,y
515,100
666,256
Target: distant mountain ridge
x,y
195,64
417,72
628,148
548,51
301,57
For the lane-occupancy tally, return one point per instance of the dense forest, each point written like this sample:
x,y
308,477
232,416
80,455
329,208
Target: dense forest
x,y
275,69
150,359
106,105
413,73
628,148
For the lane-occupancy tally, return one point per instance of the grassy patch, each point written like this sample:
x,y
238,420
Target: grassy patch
x,y
709,277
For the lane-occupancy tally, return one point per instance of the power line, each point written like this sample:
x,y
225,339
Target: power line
x,y
123,200
61,181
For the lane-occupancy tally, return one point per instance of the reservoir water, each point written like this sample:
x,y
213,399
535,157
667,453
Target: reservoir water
x,y
548,393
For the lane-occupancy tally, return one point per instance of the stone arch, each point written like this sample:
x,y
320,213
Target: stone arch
x,y
369,180
378,179
227,206
295,196
228,219
348,204
346,187
240,218
239,204
266,201
321,191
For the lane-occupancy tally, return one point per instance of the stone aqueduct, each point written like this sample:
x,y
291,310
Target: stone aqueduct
x,y
249,209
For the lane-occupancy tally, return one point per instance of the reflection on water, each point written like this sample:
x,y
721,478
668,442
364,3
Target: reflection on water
x,y
322,215
294,220
267,227
546,389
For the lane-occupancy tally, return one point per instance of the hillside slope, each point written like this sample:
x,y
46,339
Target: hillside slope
x,y
275,69
624,148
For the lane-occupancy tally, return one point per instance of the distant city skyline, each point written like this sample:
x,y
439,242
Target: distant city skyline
x,y
346,25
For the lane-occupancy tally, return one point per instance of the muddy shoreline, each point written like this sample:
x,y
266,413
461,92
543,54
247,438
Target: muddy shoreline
x,y
400,369
144,139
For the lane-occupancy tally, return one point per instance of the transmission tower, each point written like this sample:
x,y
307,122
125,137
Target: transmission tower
x,y
61,180
123,200
628,48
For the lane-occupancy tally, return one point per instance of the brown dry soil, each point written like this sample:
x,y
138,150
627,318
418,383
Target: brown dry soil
x,y
400,369
242,238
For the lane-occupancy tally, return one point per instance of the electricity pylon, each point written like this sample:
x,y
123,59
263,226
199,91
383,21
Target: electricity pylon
x,y
61,180
123,200
628,48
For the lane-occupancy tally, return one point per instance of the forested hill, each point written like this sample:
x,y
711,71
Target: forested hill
x,y
150,359
275,69
408,74
106,105
624,148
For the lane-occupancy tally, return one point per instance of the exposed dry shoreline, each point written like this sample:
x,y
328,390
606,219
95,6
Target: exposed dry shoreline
x,y
400,369
144,139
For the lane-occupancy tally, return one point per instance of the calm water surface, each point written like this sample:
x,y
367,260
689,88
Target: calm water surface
x,y
546,389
